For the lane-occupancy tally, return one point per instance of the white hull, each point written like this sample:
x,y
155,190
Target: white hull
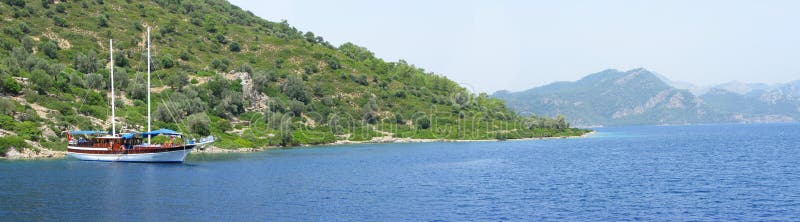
x,y
176,156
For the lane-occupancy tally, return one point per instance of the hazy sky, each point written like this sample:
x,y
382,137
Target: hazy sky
x,y
493,45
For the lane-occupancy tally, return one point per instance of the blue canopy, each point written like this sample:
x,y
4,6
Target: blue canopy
x,y
87,132
127,136
167,132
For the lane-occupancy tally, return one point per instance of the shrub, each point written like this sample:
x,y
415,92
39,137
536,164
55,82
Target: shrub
x,y
224,125
7,106
185,56
7,122
58,21
9,85
245,68
60,8
28,130
8,142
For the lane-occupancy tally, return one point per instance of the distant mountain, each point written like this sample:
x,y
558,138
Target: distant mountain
x,y
745,88
695,89
639,96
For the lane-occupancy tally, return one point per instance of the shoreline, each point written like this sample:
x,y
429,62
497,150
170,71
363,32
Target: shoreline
x,y
47,154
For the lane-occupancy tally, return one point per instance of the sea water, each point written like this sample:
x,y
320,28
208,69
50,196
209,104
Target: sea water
x,y
714,172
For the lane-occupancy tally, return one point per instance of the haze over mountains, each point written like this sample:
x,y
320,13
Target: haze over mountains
x,y
642,97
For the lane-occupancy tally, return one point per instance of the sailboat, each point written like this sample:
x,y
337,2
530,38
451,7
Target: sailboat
x,y
97,145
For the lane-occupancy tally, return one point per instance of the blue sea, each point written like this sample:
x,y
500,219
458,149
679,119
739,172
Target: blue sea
x,y
653,173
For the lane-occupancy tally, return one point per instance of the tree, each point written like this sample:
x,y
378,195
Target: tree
x,y
177,80
88,63
295,89
362,79
296,107
102,21
24,28
41,81
121,60
199,124
310,37
370,110
287,139
166,112
50,49
121,78
423,123
95,81
167,61
332,61
561,122
356,52
27,44
17,3
137,90
220,64
221,39
7,107
234,47
398,118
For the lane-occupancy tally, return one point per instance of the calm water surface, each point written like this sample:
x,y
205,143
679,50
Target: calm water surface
x,y
720,172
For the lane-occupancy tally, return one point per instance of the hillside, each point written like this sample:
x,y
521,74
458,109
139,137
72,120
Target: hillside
x,y
780,103
222,71
638,96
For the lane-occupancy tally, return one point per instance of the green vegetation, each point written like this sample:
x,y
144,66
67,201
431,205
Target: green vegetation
x,y
11,142
219,70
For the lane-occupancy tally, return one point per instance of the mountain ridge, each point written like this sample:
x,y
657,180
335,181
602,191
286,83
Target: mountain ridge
x,y
639,96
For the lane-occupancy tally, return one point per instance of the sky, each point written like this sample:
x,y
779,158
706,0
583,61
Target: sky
x,y
516,45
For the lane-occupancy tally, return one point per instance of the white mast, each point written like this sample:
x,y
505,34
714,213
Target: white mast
x,y
148,84
113,105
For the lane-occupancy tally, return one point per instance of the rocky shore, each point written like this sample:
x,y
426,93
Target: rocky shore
x,y
389,139
42,153
31,153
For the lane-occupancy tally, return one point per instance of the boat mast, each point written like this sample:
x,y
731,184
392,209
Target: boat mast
x,y
113,105
148,84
